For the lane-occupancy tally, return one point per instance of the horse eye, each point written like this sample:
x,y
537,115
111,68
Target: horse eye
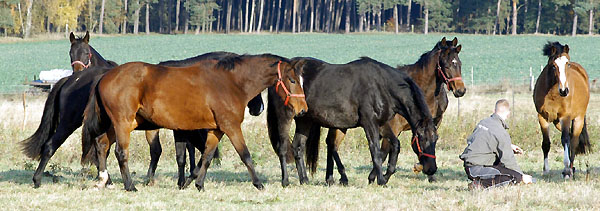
x,y
292,81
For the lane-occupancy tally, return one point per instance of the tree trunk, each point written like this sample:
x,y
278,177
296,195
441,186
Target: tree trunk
x,y
329,16
408,13
246,19
177,10
124,26
361,22
338,16
260,16
21,20
240,16
101,17
396,18
574,31
136,15
400,15
514,17
426,28
347,26
90,24
252,16
228,19
147,17
378,20
497,17
539,13
318,15
28,26
278,17
591,26
294,11
272,18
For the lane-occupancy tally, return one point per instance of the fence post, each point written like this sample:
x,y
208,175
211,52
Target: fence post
x,y
532,79
458,108
24,112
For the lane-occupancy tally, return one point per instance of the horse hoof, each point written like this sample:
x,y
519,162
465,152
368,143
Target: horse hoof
x,y
303,181
99,185
132,189
187,183
150,182
344,182
330,182
200,187
285,183
259,186
431,178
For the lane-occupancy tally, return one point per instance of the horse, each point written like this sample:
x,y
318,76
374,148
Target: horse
x,y
63,110
209,95
363,93
561,97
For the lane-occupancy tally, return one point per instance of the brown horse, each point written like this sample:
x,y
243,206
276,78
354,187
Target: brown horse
x,y
437,67
561,97
210,95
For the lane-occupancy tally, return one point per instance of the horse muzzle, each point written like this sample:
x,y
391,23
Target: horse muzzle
x,y
459,92
563,92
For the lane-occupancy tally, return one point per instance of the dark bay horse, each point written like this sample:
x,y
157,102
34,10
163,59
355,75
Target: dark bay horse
x,y
209,95
363,93
561,97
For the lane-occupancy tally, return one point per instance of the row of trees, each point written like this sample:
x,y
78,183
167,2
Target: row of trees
x,y
26,17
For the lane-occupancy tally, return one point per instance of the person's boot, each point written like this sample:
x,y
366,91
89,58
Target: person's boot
x,y
475,185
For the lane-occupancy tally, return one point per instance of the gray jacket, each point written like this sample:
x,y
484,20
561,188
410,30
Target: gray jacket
x,y
490,144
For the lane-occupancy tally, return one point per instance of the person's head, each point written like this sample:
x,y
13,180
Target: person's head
x,y
502,108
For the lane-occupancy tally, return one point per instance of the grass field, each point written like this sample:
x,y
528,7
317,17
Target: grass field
x,y
228,185
493,58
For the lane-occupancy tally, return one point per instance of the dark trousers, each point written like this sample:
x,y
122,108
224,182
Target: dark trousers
x,y
493,176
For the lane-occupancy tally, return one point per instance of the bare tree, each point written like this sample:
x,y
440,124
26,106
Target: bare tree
x,y
497,16
396,18
278,17
177,8
575,16
252,17
514,17
294,11
260,16
136,17
539,13
101,17
348,16
591,22
28,26
147,17
312,15
246,20
228,19
426,27
408,13
124,26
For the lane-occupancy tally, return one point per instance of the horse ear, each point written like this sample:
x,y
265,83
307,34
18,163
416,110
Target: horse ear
x,y
566,49
454,41
458,48
443,42
72,37
86,39
298,65
553,51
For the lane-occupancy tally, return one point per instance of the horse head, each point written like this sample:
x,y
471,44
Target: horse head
x,y
81,52
449,66
558,61
423,144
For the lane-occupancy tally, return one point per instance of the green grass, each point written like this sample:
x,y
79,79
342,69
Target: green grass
x,y
493,58
228,185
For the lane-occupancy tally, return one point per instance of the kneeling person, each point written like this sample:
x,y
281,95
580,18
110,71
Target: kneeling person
x,y
489,158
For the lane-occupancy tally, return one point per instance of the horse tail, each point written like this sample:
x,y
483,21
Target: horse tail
x,y
32,146
312,148
584,140
93,125
274,132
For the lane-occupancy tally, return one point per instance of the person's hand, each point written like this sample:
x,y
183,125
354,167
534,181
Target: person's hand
x,y
527,179
516,149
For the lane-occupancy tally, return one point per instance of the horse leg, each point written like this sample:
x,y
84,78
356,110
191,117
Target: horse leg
x,y
192,154
103,144
180,146
372,132
575,132
48,151
544,126
122,153
284,128
152,137
566,142
299,146
237,139
334,139
212,140
395,149
390,132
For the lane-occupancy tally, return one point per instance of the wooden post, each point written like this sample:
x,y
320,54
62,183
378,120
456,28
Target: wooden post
x,y
458,108
531,79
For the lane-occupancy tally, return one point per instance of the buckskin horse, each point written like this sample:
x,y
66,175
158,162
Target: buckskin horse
x,y
363,93
209,95
561,97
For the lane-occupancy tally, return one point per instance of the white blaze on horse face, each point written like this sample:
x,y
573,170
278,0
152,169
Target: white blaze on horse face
x,y
301,82
454,61
561,63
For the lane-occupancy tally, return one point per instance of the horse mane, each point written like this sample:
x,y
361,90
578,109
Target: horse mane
x,y
419,99
229,62
547,50
192,60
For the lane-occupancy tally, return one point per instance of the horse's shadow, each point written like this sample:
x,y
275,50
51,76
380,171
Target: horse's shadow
x,y
24,177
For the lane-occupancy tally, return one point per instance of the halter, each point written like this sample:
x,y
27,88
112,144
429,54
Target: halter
x,y
82,64
280,82
446,80
421,153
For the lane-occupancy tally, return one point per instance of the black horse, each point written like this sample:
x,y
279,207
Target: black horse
x,y
63,110
363,93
